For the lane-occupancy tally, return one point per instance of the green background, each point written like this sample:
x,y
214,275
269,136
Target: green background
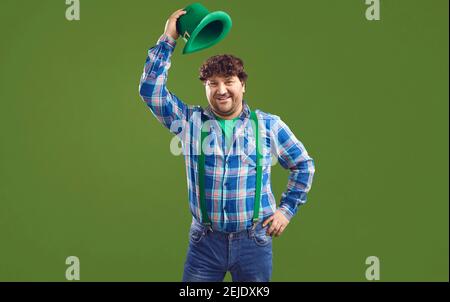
x,y
86,170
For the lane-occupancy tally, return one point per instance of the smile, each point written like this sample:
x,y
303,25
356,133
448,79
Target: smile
x,y
222,100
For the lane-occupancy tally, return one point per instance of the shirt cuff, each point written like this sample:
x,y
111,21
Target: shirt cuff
x,y
286,212
169,41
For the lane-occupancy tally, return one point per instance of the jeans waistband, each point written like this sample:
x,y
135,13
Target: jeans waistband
x,y
227,235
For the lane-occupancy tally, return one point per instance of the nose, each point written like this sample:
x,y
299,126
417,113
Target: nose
x,y
222,89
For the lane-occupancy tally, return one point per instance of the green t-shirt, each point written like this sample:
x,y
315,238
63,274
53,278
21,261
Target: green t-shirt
x,y
227,128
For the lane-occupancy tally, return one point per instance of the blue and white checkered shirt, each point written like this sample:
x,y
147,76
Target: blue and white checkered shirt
x,y
230,173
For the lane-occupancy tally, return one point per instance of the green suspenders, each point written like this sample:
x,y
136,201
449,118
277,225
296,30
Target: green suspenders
x,y
201,179
201,175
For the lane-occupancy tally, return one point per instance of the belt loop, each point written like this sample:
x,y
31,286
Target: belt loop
x,y
252,228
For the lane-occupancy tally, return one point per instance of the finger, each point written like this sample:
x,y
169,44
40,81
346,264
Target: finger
x,y
273,228
268,220
280,230
277,231
178,13
269,229
277,227
178,16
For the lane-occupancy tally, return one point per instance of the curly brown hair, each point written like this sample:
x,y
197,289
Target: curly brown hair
x,y
223,65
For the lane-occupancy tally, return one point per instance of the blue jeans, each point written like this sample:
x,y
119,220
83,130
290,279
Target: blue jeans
x,y
247,255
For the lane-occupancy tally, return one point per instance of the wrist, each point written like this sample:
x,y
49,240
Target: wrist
x,y
171,37
168,40
286,212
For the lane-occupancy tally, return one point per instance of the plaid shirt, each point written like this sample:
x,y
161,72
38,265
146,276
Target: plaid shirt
x,y
230,173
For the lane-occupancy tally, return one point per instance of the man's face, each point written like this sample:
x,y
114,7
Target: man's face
x,y
225,95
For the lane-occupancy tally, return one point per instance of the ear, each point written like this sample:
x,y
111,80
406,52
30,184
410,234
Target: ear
x,y
243,87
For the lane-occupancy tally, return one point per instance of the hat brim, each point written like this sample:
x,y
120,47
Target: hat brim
x,y
211,30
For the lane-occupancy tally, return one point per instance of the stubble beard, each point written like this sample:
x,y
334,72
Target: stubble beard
x,y
233,109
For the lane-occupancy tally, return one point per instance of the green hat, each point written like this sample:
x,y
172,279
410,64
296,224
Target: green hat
x,y
201,29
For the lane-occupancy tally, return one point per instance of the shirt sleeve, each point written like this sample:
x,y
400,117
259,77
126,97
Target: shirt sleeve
x,y
164,105
292,155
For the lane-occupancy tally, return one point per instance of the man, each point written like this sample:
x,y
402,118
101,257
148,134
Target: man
x,y
234,218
